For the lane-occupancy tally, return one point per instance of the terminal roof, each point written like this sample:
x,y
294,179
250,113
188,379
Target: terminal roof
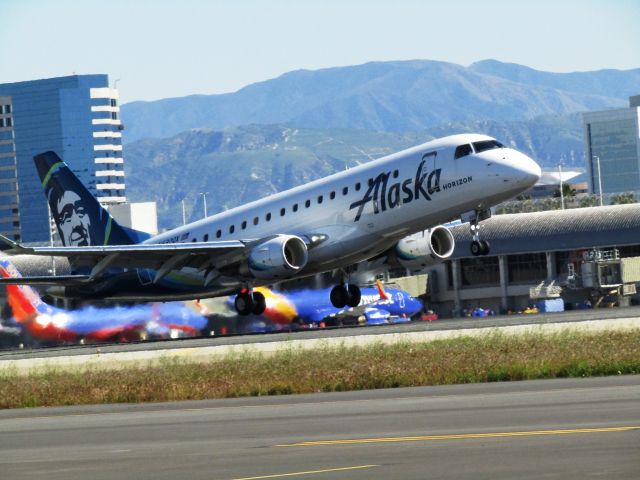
x,y
555,230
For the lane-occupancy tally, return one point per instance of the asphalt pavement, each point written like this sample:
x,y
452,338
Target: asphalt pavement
x,y
575,428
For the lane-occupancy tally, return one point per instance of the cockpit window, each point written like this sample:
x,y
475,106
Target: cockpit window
x,y
462,151
486,145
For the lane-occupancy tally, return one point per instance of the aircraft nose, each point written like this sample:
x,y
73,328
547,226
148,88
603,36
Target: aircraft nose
x,y
529,171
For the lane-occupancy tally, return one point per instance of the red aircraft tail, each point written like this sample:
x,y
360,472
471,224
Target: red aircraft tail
x,y
23,300
383,294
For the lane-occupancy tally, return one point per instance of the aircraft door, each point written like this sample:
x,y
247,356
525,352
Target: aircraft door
x,y
431,172
430,161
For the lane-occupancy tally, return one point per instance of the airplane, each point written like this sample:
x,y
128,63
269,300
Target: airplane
x,y
312,307
389,210
46,323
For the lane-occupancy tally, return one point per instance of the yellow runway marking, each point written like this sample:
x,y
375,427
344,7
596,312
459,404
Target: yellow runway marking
x,y
310,472
460,436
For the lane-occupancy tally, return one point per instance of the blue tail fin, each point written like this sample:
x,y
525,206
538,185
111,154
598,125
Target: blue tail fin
x,y
80,218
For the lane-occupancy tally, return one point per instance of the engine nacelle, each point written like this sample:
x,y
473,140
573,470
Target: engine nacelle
x,y
424,249
280,257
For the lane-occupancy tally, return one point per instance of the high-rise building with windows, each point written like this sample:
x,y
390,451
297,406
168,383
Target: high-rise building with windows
x,y
612,140
78,118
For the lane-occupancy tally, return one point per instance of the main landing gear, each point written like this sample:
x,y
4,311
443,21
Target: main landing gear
x,y
345,295
248,302
478,246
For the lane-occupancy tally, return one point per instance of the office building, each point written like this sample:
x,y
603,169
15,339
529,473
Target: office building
x,y
75,116
140,216
612,139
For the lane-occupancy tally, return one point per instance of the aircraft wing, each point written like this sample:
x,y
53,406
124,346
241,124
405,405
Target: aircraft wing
x,y
141,252
46,280
160,257
154,256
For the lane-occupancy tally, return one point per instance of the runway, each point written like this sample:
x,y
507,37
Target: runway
x,y
578,428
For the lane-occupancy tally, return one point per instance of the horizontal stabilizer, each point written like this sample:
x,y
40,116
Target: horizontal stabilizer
x,y
7,244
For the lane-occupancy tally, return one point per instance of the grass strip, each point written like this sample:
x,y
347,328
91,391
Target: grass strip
x,y
490,358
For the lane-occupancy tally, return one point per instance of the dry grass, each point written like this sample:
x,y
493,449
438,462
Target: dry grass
x,y
491,358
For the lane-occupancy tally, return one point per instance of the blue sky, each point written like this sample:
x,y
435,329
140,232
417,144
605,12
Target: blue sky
x,y
158,49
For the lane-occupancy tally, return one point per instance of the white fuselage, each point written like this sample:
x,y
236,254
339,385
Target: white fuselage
x,y
366,209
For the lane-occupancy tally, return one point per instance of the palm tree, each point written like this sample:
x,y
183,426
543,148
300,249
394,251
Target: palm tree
x,y
567,191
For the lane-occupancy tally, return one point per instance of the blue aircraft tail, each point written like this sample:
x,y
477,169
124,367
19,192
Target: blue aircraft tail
x,y
80,218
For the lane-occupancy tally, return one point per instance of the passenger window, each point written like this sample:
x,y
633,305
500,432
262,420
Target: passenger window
x,y
462,151
358,187
295,207
396,173
244,224
282,211
319,199
232,228
307,204
332,195
206,237
370,182
255,221
218,233
268,217
345,190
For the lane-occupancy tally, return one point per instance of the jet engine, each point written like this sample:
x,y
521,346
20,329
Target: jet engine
x,y
425,248
278,257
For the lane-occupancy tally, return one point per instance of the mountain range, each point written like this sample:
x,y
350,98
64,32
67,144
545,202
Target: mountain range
x,y
273,135
396,96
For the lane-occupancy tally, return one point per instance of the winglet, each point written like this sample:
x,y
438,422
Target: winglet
x,y
381,292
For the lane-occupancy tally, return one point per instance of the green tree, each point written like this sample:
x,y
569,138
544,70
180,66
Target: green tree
x,y
589,201
550,204
621,198
567,191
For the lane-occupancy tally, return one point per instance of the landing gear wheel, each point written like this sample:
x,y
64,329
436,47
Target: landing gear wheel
x,y
476,248
485,247
243,303
259,303
354,295
339,296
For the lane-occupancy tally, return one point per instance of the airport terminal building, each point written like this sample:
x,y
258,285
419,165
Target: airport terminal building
x,y
579,255
75,116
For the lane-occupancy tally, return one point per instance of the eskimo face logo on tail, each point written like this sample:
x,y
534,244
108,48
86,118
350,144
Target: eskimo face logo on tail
x,y
385,196
73,221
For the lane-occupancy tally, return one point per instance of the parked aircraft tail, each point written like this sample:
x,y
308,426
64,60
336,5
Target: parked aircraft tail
x,y
80,218
23,300
383,294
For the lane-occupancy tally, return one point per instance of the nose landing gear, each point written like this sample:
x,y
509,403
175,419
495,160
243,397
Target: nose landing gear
x,y
478,246
345,295
248,302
